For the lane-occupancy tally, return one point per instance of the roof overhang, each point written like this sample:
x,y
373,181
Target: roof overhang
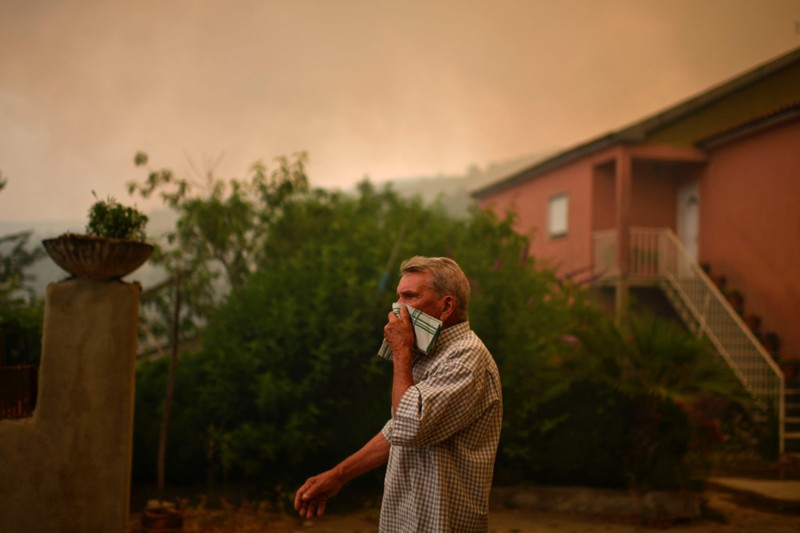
x,y
638,132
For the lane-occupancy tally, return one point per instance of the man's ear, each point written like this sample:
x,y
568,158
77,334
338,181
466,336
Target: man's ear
x,y
449,307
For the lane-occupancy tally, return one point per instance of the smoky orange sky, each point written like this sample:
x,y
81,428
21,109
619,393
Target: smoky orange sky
x,y
383,89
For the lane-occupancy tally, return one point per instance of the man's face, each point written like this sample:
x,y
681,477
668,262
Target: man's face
x,y
415,290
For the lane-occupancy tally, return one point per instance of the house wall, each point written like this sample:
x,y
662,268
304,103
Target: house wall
x,y
68,467
654,194
750,226
529,201
591,185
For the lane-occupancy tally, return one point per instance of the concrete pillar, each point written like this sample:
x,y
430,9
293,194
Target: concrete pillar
x,y
68,467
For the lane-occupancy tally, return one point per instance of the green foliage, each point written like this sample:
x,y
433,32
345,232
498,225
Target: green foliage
x,y
20,310
641,406
678,390
21,331
287,382
16,257
221,227
186,429
291,378
659,357
222,224
578,438
112,220
219,235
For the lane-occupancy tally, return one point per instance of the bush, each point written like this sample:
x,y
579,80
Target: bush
x,y
580,438
288,383
21,332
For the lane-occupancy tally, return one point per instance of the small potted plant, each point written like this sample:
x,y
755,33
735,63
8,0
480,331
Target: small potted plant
x,y
112,247
111,220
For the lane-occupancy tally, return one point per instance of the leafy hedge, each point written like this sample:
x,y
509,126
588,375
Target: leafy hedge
x,y
287,382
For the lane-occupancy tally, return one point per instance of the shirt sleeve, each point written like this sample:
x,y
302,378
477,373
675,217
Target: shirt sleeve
x,y
387,431
437,407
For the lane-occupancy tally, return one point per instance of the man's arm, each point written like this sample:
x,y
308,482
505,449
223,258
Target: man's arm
x,y
312,497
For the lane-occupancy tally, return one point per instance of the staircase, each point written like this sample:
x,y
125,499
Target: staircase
x,y
791,420
657,257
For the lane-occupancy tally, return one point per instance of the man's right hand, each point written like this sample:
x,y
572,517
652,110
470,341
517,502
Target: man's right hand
x,y
399,333
312,497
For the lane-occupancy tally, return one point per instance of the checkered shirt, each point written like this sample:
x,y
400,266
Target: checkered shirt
x,y
444,439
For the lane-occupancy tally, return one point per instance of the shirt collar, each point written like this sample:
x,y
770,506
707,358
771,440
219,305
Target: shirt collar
x,y
451,333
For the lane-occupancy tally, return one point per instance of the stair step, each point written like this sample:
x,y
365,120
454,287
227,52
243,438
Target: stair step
x,y
793,435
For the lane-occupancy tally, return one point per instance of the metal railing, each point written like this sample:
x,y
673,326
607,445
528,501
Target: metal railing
x,y
659,257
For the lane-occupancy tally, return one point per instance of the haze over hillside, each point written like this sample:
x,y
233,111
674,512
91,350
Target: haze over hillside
x,y
455,190
452,189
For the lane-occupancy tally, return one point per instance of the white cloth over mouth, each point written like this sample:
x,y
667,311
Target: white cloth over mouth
x,y
426,331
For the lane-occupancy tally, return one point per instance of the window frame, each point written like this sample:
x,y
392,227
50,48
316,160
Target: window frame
x,y
557,229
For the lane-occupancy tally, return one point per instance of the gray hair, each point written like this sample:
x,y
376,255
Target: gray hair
x,y
446,278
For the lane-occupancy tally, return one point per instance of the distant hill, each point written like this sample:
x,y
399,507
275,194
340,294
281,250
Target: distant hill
x,y
453,189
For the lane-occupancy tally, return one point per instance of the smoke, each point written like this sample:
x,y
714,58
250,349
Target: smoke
x,y
378,88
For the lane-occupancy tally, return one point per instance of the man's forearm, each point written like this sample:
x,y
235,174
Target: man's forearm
x,y
313,496
375,453
402,379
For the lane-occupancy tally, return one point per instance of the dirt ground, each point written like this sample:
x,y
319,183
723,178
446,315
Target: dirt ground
x,y
725,512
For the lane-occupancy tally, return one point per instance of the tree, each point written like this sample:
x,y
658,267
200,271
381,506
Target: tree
x,y
16,257
220,230
224,223
223,226
287,380
20,310
287,374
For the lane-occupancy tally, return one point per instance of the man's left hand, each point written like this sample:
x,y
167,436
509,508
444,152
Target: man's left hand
x,y
313,496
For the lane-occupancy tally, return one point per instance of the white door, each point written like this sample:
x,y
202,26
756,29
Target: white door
x,y
689,218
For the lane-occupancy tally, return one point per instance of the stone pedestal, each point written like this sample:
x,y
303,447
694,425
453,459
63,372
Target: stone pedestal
x,y
68,467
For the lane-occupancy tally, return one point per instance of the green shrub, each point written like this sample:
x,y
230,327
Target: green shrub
x,y
288,379
287,382
112,220
21,331
581,437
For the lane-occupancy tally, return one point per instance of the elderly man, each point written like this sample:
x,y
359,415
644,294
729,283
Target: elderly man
x,y
441,441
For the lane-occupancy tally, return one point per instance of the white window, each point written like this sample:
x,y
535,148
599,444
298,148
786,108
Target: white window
x,y
558,215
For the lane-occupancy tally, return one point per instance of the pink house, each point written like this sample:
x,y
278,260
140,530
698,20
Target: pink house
x,y
701,200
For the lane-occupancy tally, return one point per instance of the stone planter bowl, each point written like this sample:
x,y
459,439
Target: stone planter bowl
x,y
96,258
